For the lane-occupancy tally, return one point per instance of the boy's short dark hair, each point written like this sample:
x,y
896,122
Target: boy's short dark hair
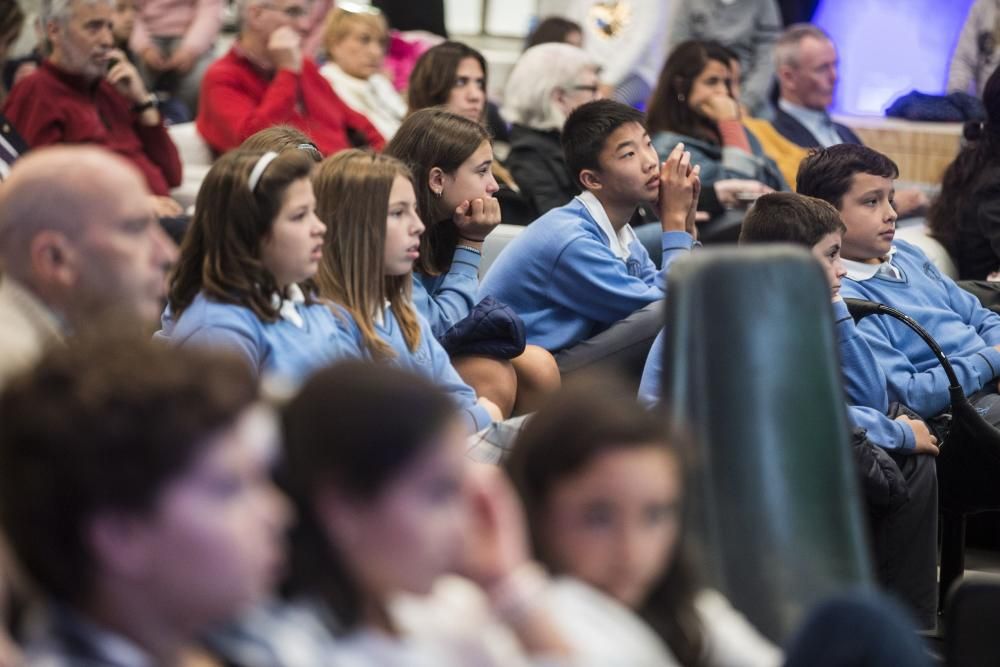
x,y
103,425
588,127
827,173
786,217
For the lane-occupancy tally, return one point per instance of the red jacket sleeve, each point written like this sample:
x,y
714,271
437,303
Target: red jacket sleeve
x,y
229,111
160,148
33,114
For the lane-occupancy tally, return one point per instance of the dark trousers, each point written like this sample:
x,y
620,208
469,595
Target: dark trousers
x,y
623,346
904,540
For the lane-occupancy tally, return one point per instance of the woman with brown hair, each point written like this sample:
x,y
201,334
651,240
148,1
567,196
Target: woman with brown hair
x,y
373,239
693,104
451,159
454,76
244,277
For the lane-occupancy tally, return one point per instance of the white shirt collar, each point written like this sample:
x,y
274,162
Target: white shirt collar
x,y
288,307
861,271
618,242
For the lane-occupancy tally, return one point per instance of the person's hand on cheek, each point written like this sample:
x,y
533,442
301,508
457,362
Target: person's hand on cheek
x,y
477,218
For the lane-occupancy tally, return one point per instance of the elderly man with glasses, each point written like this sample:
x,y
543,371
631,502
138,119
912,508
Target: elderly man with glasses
x,y
266,79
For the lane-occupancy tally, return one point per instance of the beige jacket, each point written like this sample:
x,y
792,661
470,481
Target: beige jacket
x,y
27,327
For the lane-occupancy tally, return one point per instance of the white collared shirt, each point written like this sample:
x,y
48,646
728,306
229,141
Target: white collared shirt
x,y
818,123
288,306
618,242
861,271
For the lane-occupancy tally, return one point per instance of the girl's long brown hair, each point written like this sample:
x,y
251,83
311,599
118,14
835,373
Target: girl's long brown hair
x,y
220,254
352,199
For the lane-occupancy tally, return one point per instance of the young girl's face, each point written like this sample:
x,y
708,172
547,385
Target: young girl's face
x,y
614,524
293,248
411,533
472,180
827,251
403,229
468,94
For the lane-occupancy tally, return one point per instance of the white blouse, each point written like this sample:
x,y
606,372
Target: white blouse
x,y
375,98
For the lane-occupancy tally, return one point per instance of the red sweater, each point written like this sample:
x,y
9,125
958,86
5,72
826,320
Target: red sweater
x,y
51,106
238,99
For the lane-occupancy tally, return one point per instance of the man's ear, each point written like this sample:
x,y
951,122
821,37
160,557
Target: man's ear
x,y
120,544
52,258
590,179
785,79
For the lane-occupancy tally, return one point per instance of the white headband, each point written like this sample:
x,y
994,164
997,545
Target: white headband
x,y
258,169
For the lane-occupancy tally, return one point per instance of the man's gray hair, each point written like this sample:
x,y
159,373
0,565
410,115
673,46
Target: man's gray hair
x,y
527,98
786,48
61,11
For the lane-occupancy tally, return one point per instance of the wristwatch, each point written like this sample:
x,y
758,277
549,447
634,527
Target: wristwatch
x,y
151,102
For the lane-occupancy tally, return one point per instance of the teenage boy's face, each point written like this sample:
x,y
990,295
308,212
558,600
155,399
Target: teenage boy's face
x,y
630,167
867,210
213,545
827,251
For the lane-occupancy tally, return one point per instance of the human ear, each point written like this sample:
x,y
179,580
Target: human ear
x,y
52,258
435,181
590,179
119,544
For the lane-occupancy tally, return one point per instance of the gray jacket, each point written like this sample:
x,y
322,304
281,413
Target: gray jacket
x,y
977,53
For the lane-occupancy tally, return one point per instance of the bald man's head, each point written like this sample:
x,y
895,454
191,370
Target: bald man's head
x,y
77,228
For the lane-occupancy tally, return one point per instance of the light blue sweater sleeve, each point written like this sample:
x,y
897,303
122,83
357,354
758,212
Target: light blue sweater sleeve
x,y
651,384
983,320
884,432
924,392
588,278
864,380
445,376
237,334
446,299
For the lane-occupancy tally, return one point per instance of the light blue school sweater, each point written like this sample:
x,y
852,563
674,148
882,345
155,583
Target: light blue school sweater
x,y
964,329
431,361
278,349
561,276
449,297
868,382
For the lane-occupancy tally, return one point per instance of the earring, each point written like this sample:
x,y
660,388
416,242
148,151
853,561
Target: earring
x,y
680,97
438,193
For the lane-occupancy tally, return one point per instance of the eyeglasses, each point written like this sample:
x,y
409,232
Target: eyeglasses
x,y
295,12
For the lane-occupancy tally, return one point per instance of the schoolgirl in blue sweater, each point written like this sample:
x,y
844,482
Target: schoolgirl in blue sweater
x,y
368,203
243,281
451,158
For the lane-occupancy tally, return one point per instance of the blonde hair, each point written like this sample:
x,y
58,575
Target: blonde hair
x,y
352,199
340,21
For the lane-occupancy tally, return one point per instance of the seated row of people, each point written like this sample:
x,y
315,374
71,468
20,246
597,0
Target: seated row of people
x,y
400,551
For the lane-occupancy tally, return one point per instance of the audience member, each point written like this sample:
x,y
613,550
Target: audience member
x,y
102,99
904,534
450,157
806,65
243,281
175,41
547,83
627,39
11,143
601,480
965,216
408,553
279,138
369,207
136,497
859,182
555,29
693,103
976,55
265,79
355,40
453,75
584,286
74,248
748,27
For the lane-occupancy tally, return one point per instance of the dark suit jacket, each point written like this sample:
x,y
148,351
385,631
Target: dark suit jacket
x,y
797,133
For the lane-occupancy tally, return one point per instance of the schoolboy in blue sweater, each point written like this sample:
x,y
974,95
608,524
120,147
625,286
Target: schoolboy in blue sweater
x,y
577,276
859,182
